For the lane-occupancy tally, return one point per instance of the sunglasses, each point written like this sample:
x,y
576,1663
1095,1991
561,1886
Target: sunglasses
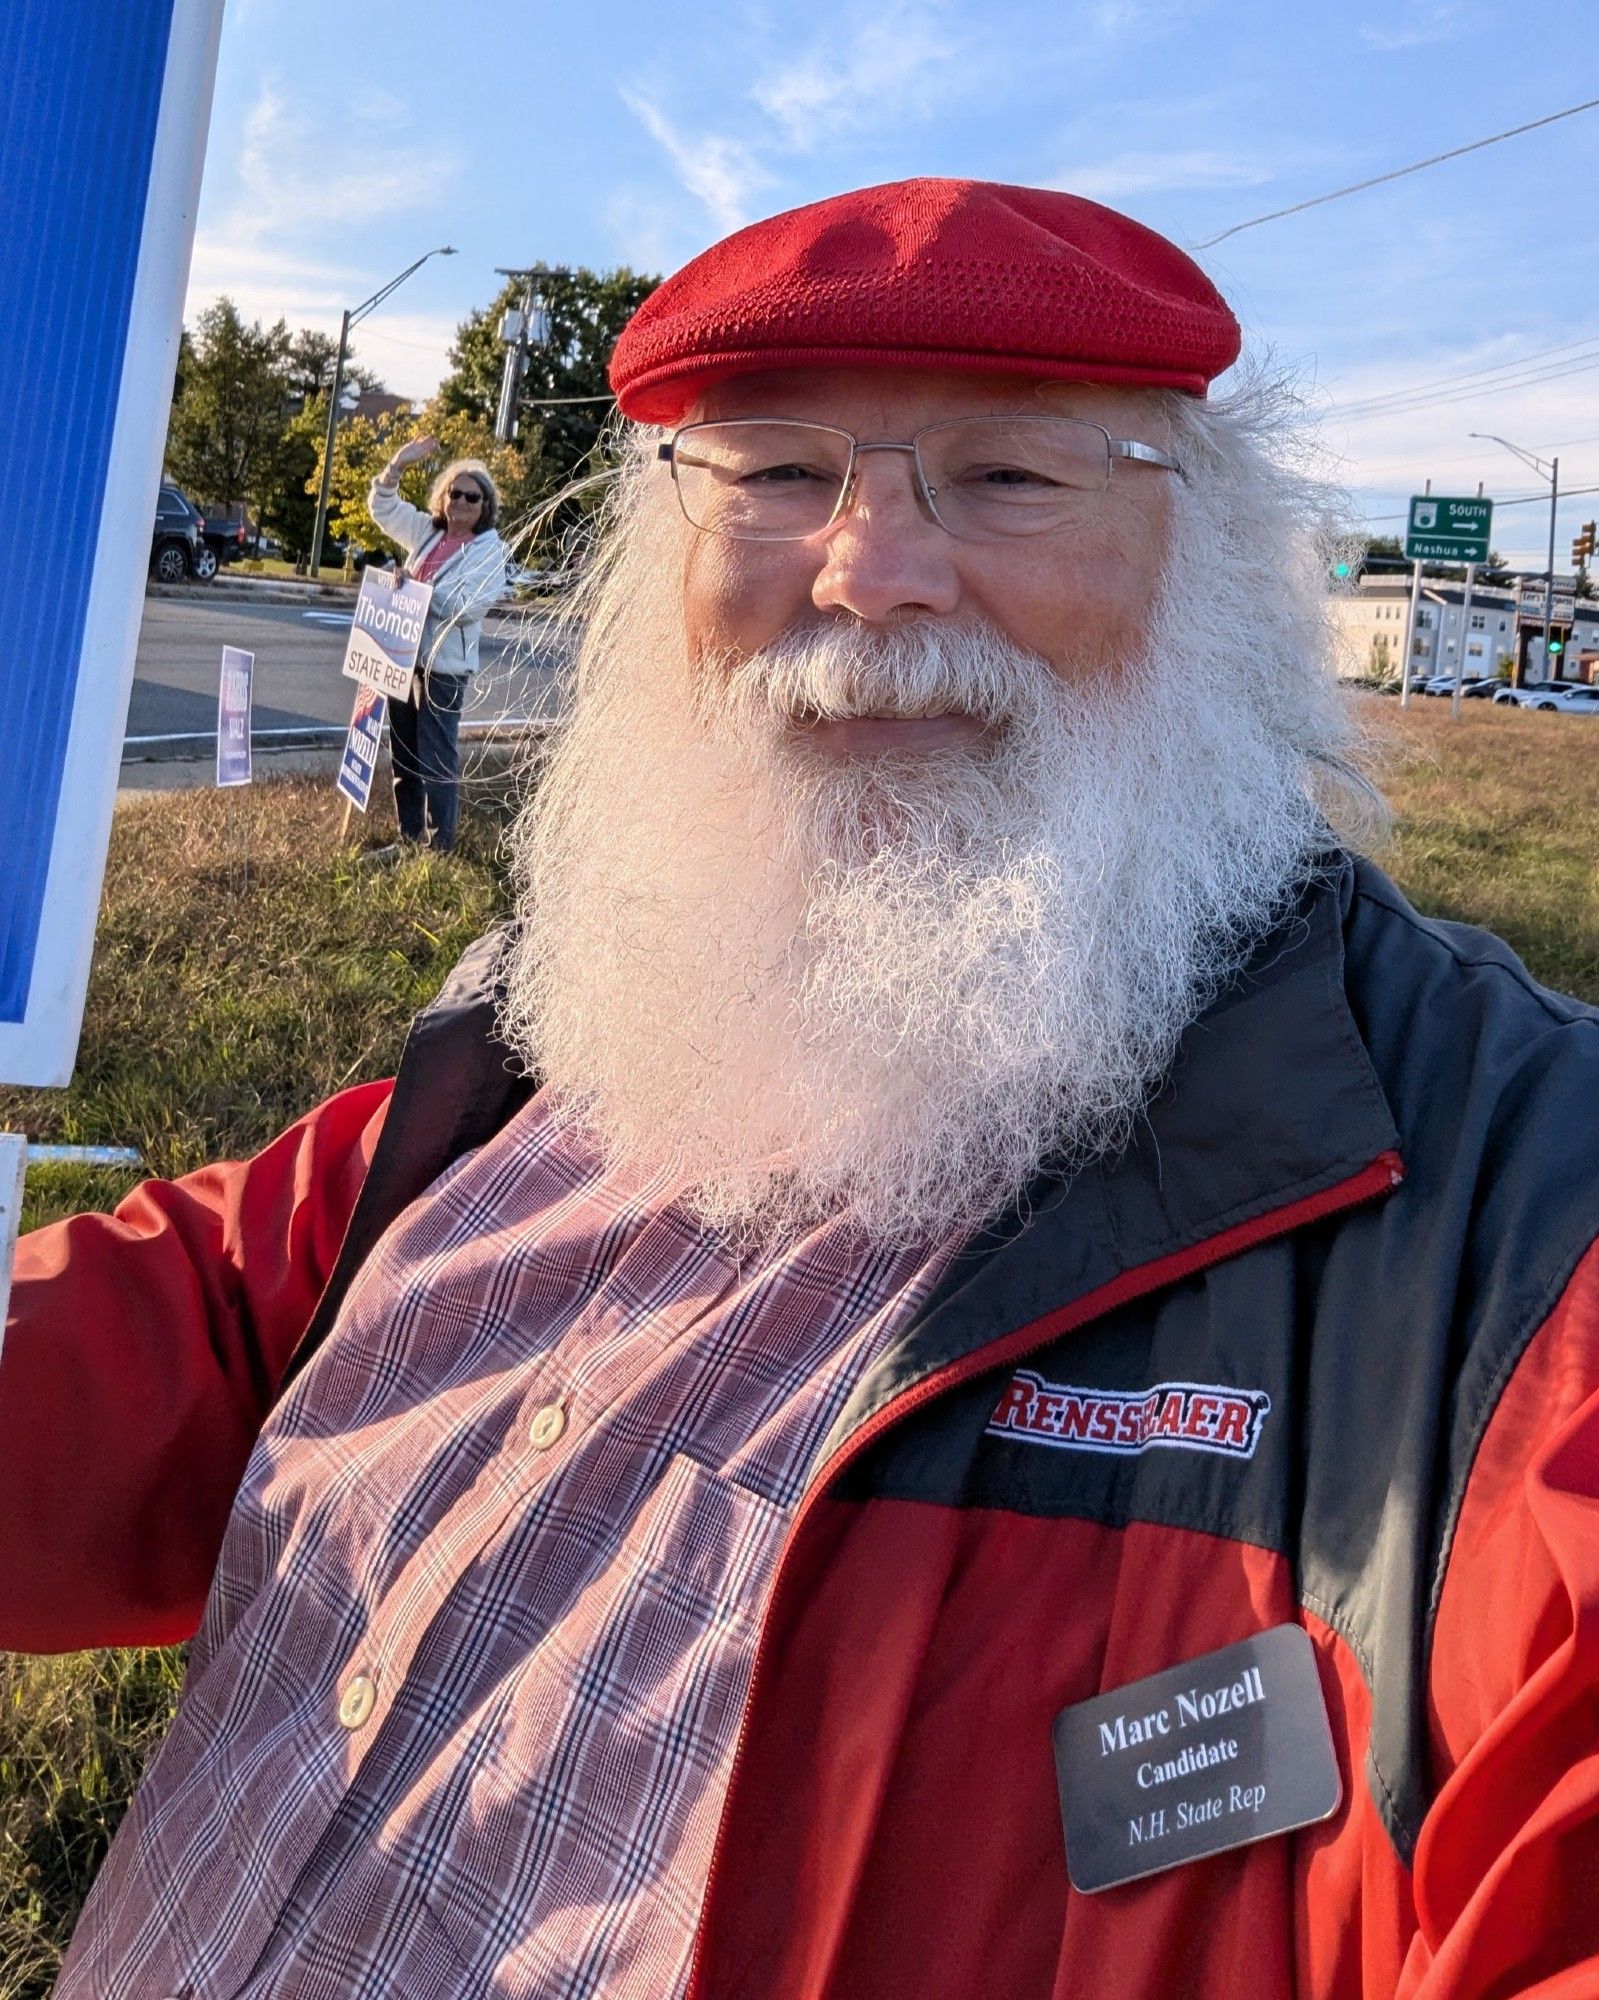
x,y
467,493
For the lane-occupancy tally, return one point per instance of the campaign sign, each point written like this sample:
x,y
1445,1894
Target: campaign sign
x,y
361,746
386,634
101,147
233,716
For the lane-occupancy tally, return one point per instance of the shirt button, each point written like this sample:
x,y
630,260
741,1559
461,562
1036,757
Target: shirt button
x,y
357,1702
546,1427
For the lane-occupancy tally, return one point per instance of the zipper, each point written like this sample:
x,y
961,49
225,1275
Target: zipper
x,y
1379,1178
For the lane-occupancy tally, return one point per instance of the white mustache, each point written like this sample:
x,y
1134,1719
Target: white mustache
x,y
836,672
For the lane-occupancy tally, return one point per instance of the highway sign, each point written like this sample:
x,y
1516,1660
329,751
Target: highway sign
x,y
1444,530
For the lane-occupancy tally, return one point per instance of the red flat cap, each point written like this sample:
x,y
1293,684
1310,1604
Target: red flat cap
x,y
930,274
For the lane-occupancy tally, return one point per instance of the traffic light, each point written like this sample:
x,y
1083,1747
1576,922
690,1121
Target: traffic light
x,y
1583,546
1556,647
1341,569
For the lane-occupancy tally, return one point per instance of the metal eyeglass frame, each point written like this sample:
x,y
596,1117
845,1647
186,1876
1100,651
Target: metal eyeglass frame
x,y
1128,448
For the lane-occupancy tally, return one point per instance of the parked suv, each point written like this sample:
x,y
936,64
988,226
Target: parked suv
x,y
178,546
228,540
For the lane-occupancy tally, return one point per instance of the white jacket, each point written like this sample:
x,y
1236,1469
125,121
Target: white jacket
x,y
470,584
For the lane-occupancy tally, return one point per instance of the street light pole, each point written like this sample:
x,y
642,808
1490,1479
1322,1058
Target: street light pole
x,y
1551,472
327,447
351,316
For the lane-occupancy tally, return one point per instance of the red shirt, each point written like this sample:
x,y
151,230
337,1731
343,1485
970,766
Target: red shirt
x,y
436,555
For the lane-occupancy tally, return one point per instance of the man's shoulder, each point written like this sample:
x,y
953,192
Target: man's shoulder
x,y
1492,1077
1460,970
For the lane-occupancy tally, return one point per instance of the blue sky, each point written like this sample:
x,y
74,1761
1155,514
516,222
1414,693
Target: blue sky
x,y
639,133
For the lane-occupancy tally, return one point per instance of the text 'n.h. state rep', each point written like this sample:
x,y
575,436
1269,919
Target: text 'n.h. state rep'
x,y
1219,1752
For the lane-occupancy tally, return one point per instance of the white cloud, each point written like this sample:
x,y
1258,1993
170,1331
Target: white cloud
x,y
721,172
367,169
1421,25
898,65
1138,173
311,182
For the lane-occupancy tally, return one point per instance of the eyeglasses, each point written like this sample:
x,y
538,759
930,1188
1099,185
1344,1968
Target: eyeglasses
x,y
467,493
982,479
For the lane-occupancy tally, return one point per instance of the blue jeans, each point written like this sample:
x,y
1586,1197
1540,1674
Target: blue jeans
x,y
424,740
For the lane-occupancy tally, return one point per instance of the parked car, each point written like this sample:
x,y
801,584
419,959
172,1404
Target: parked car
x,y
1528,693
228,541
1578,700
1476,687
178,546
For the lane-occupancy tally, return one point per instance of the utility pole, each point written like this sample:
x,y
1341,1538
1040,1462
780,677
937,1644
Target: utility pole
x,y
1549,585
521,328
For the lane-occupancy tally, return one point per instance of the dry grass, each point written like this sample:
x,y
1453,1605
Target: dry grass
x,y
1498,824
246,967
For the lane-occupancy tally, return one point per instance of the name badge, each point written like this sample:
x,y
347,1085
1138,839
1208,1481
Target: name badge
x,y
1221,1751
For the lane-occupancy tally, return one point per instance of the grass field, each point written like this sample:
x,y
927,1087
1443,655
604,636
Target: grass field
x,y
246,966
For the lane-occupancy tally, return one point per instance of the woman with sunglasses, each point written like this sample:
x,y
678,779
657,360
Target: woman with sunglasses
x,y
453,546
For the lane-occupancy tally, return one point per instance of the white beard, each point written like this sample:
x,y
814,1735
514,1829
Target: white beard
x,y
797,985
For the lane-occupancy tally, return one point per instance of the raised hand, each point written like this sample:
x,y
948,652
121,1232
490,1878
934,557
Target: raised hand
x,y
414,452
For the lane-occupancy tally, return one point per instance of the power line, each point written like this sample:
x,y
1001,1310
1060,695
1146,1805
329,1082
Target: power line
x,y
1467,375
1531,379
1397,174
1368,466
1518,500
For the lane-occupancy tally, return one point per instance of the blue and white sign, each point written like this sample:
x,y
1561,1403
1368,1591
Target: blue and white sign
x,y
100,153
361,745
233,716
386,632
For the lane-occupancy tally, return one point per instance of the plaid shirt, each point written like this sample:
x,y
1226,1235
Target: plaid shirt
x,y
461,1714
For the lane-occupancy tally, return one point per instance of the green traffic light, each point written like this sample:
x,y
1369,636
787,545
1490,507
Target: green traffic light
x,y
1556,646
1340,569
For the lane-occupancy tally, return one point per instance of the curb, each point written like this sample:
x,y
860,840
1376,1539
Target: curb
x,y
236,591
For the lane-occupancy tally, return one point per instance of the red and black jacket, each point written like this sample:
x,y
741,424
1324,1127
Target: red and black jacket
x,y
1343,1281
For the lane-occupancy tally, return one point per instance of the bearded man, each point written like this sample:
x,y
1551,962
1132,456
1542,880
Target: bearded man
x,y
966,1366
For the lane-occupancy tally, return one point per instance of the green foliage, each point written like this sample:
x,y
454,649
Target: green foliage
x,y
225,439
249,409
287,510
364,445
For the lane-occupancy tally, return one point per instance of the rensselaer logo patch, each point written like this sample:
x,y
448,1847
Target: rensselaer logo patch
x,y
1188,1416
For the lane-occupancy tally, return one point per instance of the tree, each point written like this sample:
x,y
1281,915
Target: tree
x,y
225,440
287,510
587,311
364,445
249,410
311,360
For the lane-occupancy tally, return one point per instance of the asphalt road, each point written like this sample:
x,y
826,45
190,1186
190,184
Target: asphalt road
x,y
297,678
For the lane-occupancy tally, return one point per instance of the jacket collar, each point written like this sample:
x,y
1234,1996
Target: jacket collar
x,y
1272,1101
